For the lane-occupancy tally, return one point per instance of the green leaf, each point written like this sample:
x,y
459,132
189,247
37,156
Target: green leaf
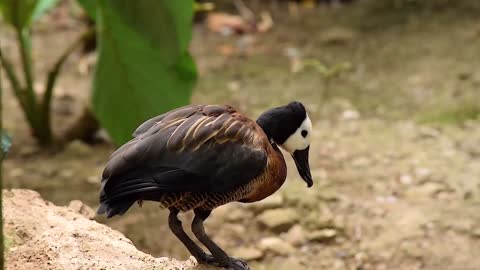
x,y
6,142
42,7
90,7
21,13
144,67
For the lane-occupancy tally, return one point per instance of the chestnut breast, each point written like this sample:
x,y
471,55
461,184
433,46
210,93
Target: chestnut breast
x,y
271,179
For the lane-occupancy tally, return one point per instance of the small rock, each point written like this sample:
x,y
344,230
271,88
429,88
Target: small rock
x,y
471,146
233,86
406,179
423,174
476,232
425,191
425,132
299,196
271,202
248,254
296,236
291,263
237,230
93,179
17,173
389,199
324,235
327,194
319,219
66,174
279,220
413,250
235,214
77,149
361,162
276,245
338,35
81,208
350,115
28,150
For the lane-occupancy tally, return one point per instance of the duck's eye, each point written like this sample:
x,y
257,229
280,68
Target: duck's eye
x,y
304,133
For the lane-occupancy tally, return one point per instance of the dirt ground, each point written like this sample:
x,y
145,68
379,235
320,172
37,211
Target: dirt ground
x,y
396,149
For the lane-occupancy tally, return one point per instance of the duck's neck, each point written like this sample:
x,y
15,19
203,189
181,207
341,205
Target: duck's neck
x,y
271,179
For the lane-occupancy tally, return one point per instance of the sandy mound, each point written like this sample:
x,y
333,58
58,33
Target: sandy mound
x,y
41,235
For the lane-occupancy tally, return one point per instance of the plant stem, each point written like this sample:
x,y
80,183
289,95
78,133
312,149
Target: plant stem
x,y
2,239
12,77
26,55
31,105
17,88
52,78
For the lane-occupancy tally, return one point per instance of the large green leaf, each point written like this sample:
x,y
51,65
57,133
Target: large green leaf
x,y
21,13
144,67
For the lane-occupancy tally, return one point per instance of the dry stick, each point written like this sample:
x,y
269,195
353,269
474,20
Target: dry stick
x,y
53,74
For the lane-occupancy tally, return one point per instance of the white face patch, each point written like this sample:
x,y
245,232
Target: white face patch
x,y
297,141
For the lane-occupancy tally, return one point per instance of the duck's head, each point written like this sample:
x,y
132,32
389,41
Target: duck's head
x,y
290,127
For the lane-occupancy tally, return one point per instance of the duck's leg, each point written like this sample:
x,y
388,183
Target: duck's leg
x,y
220,256
176,227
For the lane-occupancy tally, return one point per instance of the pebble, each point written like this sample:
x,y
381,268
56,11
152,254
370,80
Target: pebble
x,y
296,236
79,207
424,191
324,235
279,220
406,179
276,245
413,250
77,149
422,174
249,254
350,115
274,201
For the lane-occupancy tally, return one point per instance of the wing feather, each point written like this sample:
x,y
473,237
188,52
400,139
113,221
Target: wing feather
x,y
195,148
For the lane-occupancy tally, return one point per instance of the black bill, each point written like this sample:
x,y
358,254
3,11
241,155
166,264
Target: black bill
x,y
301,160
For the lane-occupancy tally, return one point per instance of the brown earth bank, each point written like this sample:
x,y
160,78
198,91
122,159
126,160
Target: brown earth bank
x,y
41,235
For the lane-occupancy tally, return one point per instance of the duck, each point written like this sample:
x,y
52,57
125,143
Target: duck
x,y
199,157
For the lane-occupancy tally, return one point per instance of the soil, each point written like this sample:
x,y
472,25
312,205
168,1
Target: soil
x,y
46,236
395,158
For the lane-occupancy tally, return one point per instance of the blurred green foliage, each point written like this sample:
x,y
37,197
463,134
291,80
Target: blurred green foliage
x,y
144,67
90,7
22,13
455,114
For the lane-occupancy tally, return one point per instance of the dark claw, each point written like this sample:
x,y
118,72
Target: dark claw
x,y
237,264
